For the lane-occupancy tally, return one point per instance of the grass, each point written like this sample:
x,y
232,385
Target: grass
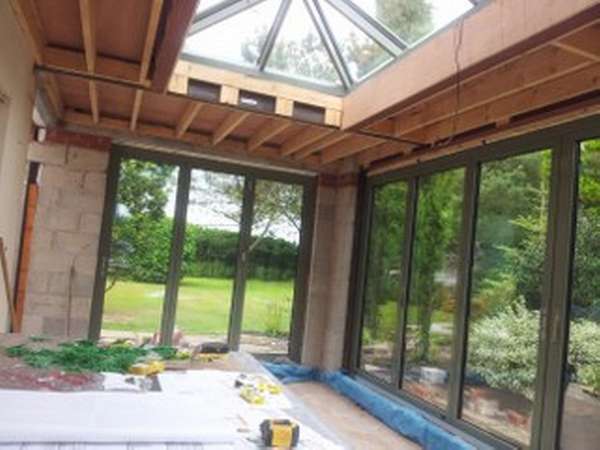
x,y
202,307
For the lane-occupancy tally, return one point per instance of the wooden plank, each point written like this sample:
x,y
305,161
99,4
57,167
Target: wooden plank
x,y
74,62
26,14
554,91
94,103
262,86
230,95
585,43
88,29
179,15
382,151
153,21
320,145
137,105
413,75
228,126
201,144
349,147
553,118
187,118
28,19
333,117
521,73
268,131
304,138
284,106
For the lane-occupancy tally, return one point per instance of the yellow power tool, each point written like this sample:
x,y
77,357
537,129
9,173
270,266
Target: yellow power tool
x,y
281,433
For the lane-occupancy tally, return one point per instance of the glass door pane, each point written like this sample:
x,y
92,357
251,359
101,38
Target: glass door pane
x,y
140,250
383,280
504,322
581,404
209,257
272,266
432,298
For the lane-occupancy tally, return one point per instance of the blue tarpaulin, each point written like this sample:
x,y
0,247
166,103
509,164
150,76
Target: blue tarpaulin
x,y
403,419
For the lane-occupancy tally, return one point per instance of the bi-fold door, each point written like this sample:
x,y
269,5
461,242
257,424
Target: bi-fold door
x,y
197,254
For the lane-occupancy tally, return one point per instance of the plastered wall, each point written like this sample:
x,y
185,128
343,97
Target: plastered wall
x,y
17,88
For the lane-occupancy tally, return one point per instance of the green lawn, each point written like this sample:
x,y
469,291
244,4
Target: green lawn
x,y
202,307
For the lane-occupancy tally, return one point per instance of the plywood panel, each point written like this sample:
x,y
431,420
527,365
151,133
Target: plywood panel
x,y
209,118
61,24
115,101
161,109
121,28
249,126
74,92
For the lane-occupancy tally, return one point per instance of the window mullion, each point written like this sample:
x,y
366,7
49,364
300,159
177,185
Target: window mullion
x,y
409,234
463,289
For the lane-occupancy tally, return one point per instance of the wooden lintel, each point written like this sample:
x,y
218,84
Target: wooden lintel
x,y
228,125
187,118
304,138
521,73
572,85
268,131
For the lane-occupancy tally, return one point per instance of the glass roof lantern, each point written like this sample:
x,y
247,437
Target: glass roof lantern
x,y
329,45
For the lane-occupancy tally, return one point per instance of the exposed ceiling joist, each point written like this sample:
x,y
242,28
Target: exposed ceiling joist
x,y
315,147
187,118
135,112
231,122
88,31
585,43
150,39
306,137
268,131
349,147
179,15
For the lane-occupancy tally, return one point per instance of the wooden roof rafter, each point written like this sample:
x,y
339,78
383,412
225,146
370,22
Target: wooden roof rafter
x,y
88,31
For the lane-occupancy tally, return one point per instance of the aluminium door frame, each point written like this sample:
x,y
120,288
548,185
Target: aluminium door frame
x,y
186,164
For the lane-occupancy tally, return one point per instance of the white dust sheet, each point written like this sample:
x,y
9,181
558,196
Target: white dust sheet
x,y
102,417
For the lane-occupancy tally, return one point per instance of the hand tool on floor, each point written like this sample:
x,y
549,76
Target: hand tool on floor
x,y
280,433
210,351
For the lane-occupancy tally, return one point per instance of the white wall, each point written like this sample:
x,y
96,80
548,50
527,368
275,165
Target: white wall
x,y
16,84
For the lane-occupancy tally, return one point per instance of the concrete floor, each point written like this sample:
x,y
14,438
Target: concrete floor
x,y
348,421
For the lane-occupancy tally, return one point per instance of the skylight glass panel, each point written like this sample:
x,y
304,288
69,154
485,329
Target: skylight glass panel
x,y
207,4
299,52
238,39
416,19
362,54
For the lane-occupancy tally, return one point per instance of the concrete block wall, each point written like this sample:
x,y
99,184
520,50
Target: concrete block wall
x,y
66,234
329,283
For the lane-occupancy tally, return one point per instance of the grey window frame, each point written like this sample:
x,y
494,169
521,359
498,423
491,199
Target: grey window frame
x,y
564,141
251,174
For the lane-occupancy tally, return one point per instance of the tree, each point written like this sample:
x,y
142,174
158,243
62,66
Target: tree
x,y
409,19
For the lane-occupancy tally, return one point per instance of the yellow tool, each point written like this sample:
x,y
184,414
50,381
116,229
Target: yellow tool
x,y
147,368
252,395
281,433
